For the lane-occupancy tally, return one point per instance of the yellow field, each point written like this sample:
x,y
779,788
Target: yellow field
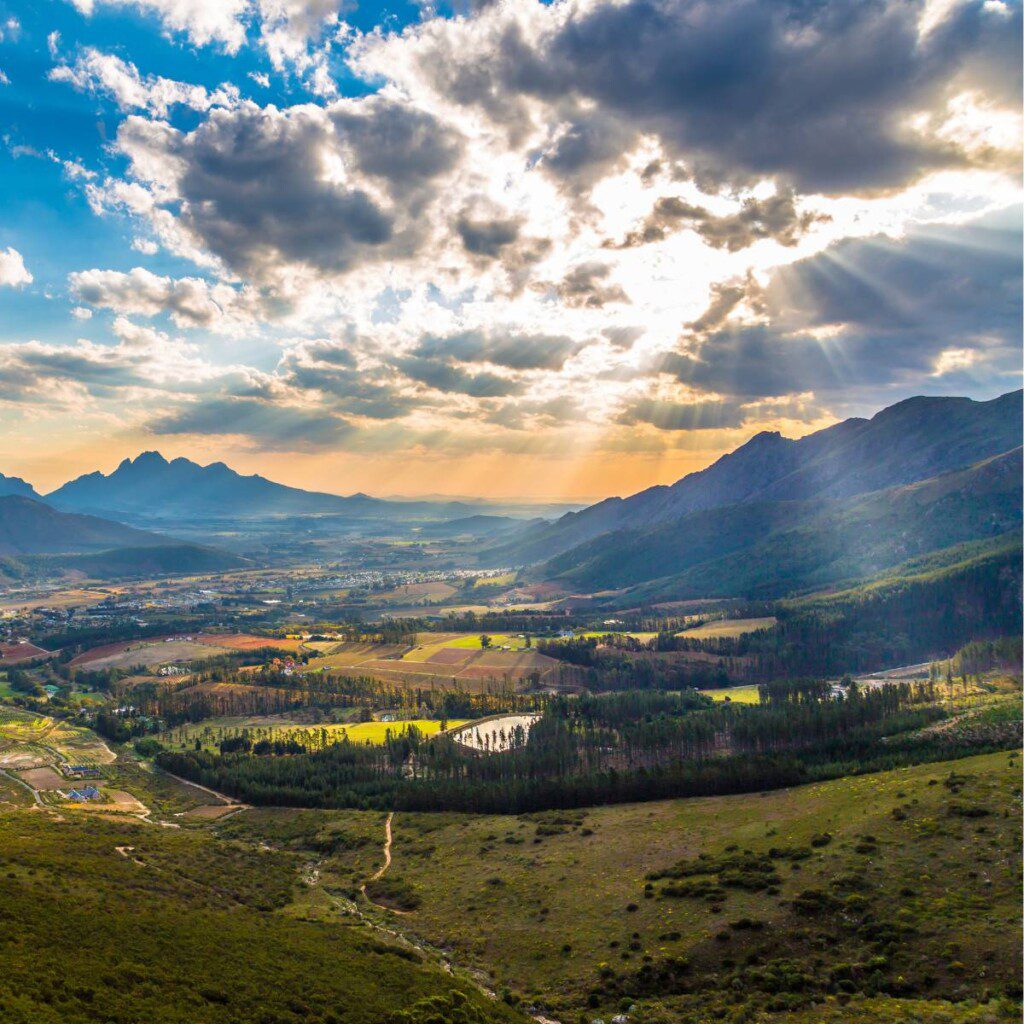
x,y
736,694
358,732
642,637
438,658
728,627
506,579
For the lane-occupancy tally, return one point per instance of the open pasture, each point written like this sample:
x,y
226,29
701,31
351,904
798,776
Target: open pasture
x,y
148,653
727,628
736,694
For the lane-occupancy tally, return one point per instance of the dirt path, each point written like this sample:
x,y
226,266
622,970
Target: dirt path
x,y
379,873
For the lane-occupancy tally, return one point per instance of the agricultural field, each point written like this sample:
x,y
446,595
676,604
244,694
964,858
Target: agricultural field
x,y
435,592
506,579
148,653
727,628
736,694
250,642
209,733
641,636
15,654
440,658
27,738
904,883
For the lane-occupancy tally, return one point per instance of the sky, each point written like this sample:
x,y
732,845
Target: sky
x,y
504,248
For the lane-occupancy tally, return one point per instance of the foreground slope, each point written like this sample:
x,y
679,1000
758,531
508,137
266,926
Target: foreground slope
x,y
108,921
888,897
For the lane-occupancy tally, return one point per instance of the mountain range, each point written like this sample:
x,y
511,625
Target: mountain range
x,y
151,487
34,536
778,515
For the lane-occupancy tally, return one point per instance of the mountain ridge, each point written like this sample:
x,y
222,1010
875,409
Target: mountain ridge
x,y
915,439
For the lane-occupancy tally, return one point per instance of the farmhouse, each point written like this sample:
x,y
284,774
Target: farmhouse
x,y
85,793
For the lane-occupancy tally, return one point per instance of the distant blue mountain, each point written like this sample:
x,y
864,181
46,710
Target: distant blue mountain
x,y
151,487
15,485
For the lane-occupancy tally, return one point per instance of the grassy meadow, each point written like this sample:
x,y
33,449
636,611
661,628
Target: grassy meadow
x,y
904,882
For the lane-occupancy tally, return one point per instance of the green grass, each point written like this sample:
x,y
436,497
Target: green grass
x,y
471,641
185,928
728,628
939,891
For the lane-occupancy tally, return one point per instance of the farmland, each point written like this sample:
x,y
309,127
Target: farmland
x,y
439,658
737,694
728,628
149,654
209,733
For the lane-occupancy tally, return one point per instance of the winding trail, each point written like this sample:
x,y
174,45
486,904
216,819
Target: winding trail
x,y
379,873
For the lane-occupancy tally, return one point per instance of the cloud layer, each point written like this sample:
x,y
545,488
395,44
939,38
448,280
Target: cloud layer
x,y
600,224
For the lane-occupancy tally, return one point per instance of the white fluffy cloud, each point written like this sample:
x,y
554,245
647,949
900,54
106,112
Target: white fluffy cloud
x,y
189,301
220,22
96,72
13,271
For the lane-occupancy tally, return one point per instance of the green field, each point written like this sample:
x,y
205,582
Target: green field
x,y
471,641
727,627
642,637
915,893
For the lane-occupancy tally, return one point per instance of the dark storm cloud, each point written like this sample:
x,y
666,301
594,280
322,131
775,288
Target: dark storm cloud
x,y
397,142
818,94
254,185
516,351
895,306
775,217
486,237
331,369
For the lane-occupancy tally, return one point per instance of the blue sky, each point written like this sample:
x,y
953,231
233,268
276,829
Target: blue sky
x,y
518,249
